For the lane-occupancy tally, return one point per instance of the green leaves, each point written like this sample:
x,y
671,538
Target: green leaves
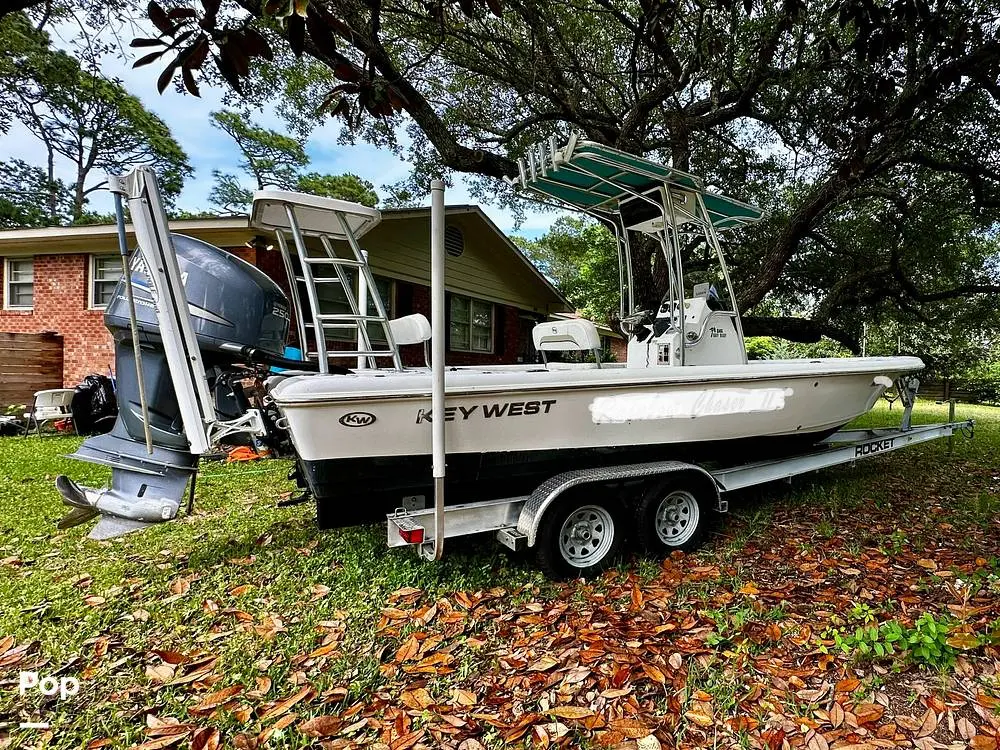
x,y
579,256
930,641
275,160
193,36
87,124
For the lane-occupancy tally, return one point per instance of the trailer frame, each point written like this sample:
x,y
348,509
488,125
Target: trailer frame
x,y
515,521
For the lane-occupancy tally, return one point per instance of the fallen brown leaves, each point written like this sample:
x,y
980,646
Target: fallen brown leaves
x,y
721,649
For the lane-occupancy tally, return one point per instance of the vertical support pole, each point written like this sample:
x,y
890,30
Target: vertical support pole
x,y
437,366
675,259
132,319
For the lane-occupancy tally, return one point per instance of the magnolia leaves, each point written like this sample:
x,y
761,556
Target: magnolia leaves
x,y
191,36
188,35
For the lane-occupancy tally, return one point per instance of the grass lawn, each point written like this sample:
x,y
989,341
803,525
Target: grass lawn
x,y
243,626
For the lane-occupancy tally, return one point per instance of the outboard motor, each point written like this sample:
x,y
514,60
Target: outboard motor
x,y
240,317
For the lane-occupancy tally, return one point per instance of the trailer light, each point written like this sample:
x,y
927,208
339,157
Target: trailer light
x,y
409,532
412,536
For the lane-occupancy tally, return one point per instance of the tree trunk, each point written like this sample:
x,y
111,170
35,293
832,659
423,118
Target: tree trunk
x,y
52,190
79,197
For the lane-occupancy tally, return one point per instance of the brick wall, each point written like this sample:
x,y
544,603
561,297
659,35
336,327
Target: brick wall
x,y
619,349
60,305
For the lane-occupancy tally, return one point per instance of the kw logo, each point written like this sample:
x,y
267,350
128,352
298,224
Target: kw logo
x,y
357,419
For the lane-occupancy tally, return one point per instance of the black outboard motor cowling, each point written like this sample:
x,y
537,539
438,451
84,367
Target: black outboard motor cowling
x,y
230,301
235,309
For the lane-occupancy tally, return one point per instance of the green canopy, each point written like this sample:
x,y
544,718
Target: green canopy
x,y
597,178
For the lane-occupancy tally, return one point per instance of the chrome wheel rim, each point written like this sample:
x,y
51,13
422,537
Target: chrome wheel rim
x,y
586,536
677,518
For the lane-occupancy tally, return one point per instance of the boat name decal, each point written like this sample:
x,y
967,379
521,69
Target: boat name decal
x,y
357,419
875,447
490,411
686,404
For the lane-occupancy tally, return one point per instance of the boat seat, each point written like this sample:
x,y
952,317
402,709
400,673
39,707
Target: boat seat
x,y
412,329
578,334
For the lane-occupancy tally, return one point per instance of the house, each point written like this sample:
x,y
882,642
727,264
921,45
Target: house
x,y
59,279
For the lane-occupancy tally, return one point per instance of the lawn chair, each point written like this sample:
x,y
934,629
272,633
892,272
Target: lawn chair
x,y
48,405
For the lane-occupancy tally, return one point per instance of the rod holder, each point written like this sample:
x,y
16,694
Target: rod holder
x,y
435,549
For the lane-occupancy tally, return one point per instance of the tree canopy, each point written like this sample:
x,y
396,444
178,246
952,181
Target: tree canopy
x,y
275,160
85,121
25,198
847,120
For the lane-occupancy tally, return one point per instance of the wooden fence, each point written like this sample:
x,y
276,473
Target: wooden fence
x,y
29,362
942,390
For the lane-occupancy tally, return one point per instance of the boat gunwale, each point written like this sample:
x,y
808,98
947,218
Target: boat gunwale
x,y
901,365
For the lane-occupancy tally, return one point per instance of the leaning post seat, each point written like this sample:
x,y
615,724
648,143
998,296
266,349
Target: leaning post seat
x,y
412,329
578,334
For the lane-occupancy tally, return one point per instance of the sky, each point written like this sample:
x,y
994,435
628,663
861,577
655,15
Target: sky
x,y
208,148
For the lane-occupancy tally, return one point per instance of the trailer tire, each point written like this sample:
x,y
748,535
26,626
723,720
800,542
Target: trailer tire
x,y
580,536
674,514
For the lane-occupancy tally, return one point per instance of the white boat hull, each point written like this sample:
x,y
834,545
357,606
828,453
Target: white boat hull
x,y
516,409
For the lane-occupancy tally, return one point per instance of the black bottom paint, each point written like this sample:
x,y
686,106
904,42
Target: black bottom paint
x,y
356,490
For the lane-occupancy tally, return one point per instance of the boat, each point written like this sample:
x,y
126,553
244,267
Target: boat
x,y
686,390
197,321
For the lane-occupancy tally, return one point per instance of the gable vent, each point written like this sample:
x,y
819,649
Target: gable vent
x,y
454,241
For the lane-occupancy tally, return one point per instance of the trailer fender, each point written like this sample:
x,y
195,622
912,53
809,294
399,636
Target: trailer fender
x,y
549,491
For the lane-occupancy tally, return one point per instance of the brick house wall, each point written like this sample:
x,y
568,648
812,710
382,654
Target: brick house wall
x,y
505,333
61,305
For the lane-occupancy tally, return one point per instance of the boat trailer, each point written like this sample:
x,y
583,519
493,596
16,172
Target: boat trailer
x,y
520,523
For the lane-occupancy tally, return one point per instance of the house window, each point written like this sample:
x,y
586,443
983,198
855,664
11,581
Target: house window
x,y
471,325
105,273
20,291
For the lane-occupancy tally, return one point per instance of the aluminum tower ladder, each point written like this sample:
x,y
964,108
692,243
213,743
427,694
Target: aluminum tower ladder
x,y
297,218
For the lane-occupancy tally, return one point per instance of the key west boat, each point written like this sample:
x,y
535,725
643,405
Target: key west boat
x,y
685,391
199,320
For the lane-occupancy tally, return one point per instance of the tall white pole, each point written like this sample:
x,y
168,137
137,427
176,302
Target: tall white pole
x,y
437,364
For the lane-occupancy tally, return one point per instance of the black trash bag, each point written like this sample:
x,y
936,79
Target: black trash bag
x,y
95,406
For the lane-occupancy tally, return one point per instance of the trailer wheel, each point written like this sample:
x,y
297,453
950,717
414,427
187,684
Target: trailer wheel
x,y
674,515
579,537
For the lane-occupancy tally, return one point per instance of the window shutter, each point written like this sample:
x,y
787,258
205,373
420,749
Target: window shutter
x,y
499,343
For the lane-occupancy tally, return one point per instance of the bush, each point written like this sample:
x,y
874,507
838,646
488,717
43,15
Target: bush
x,y
983,382
927,642
930,642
